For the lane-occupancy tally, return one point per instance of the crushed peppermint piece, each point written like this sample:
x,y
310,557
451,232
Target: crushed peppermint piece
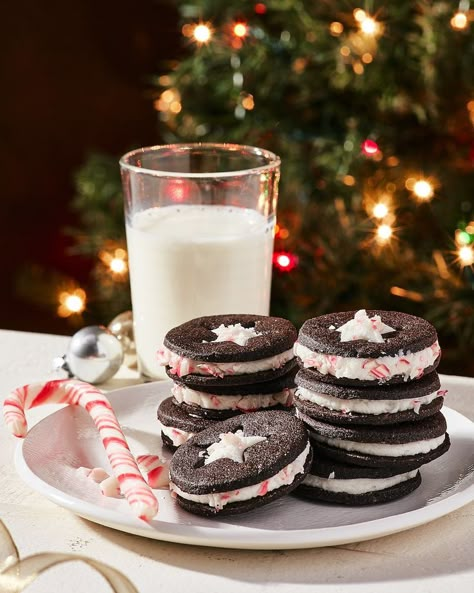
x,y
331,476
332,327
234,333
231,445
363,327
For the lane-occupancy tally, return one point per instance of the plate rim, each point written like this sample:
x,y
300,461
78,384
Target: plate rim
x,y
236,536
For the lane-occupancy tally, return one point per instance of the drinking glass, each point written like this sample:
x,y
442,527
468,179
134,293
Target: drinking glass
x,y
199,223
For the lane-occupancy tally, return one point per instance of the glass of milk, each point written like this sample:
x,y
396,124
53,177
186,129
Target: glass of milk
x,y
199,223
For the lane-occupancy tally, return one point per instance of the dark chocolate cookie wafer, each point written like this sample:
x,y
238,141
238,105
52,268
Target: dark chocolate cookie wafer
x,y
223,402
229,350
340,483
240,463
368,347
408,445
386,404
177,426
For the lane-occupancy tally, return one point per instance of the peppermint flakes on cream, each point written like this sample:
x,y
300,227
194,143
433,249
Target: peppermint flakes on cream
x,y
363,327
231,445
234,333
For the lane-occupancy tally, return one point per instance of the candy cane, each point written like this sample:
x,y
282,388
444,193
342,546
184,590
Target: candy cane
x,y
77,393
156,471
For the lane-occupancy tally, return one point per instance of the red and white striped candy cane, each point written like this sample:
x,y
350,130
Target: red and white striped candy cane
x,y
77,393
155,470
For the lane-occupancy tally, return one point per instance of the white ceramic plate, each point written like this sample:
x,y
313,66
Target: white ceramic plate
x,y
53,450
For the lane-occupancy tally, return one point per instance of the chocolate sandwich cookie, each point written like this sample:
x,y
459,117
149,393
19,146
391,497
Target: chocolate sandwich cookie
x,y
176,425
368,347
229,350
220,403
386,404
240,463
340,483
408,445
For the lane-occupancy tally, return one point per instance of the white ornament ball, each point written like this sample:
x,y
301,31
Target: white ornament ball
x,y
94,354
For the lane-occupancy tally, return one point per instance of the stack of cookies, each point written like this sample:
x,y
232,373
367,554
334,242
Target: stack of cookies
x,y
223,366
369,394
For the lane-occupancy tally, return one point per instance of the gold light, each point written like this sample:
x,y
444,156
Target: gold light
x,y
459,21
202,33
240,29
466,255
116,261
367,58
369,26
380,210
359,14
384,232
248,102
423,189
71,302
336,28
407,294
169,101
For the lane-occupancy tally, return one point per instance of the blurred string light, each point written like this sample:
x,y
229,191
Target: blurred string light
x,y
384,233
247,101
115,261
406,294
169,102
368,25
369,147
462,237
459,21
466,255
380,210
336,28
202,33
71,302
240,29
285,261
281,232
423,189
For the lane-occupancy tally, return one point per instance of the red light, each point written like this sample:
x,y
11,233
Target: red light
x,y
285,261
369,147
178,190
260,8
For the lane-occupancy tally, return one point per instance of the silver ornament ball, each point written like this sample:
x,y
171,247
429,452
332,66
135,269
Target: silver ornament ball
x,y
122,327
94,354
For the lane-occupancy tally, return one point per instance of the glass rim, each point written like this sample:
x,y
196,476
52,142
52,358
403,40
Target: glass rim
x,y
274,160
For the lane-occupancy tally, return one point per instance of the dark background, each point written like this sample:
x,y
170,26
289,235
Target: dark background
x,y
74,79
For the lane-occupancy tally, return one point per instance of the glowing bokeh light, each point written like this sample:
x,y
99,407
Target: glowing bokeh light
x,y
466,255
380,210
202,33
384,232
423,189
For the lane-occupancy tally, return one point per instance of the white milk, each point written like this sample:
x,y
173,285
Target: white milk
x,y
189,261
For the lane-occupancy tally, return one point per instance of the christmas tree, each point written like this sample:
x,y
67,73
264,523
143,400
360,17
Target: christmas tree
x,y
371,108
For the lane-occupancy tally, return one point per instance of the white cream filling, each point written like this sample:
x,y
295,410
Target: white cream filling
x,y
218,500
177,436
244,403
180,365
382,449
357,485
410,365
365,406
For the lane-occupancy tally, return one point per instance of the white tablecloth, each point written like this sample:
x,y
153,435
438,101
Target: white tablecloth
x,y
434,558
